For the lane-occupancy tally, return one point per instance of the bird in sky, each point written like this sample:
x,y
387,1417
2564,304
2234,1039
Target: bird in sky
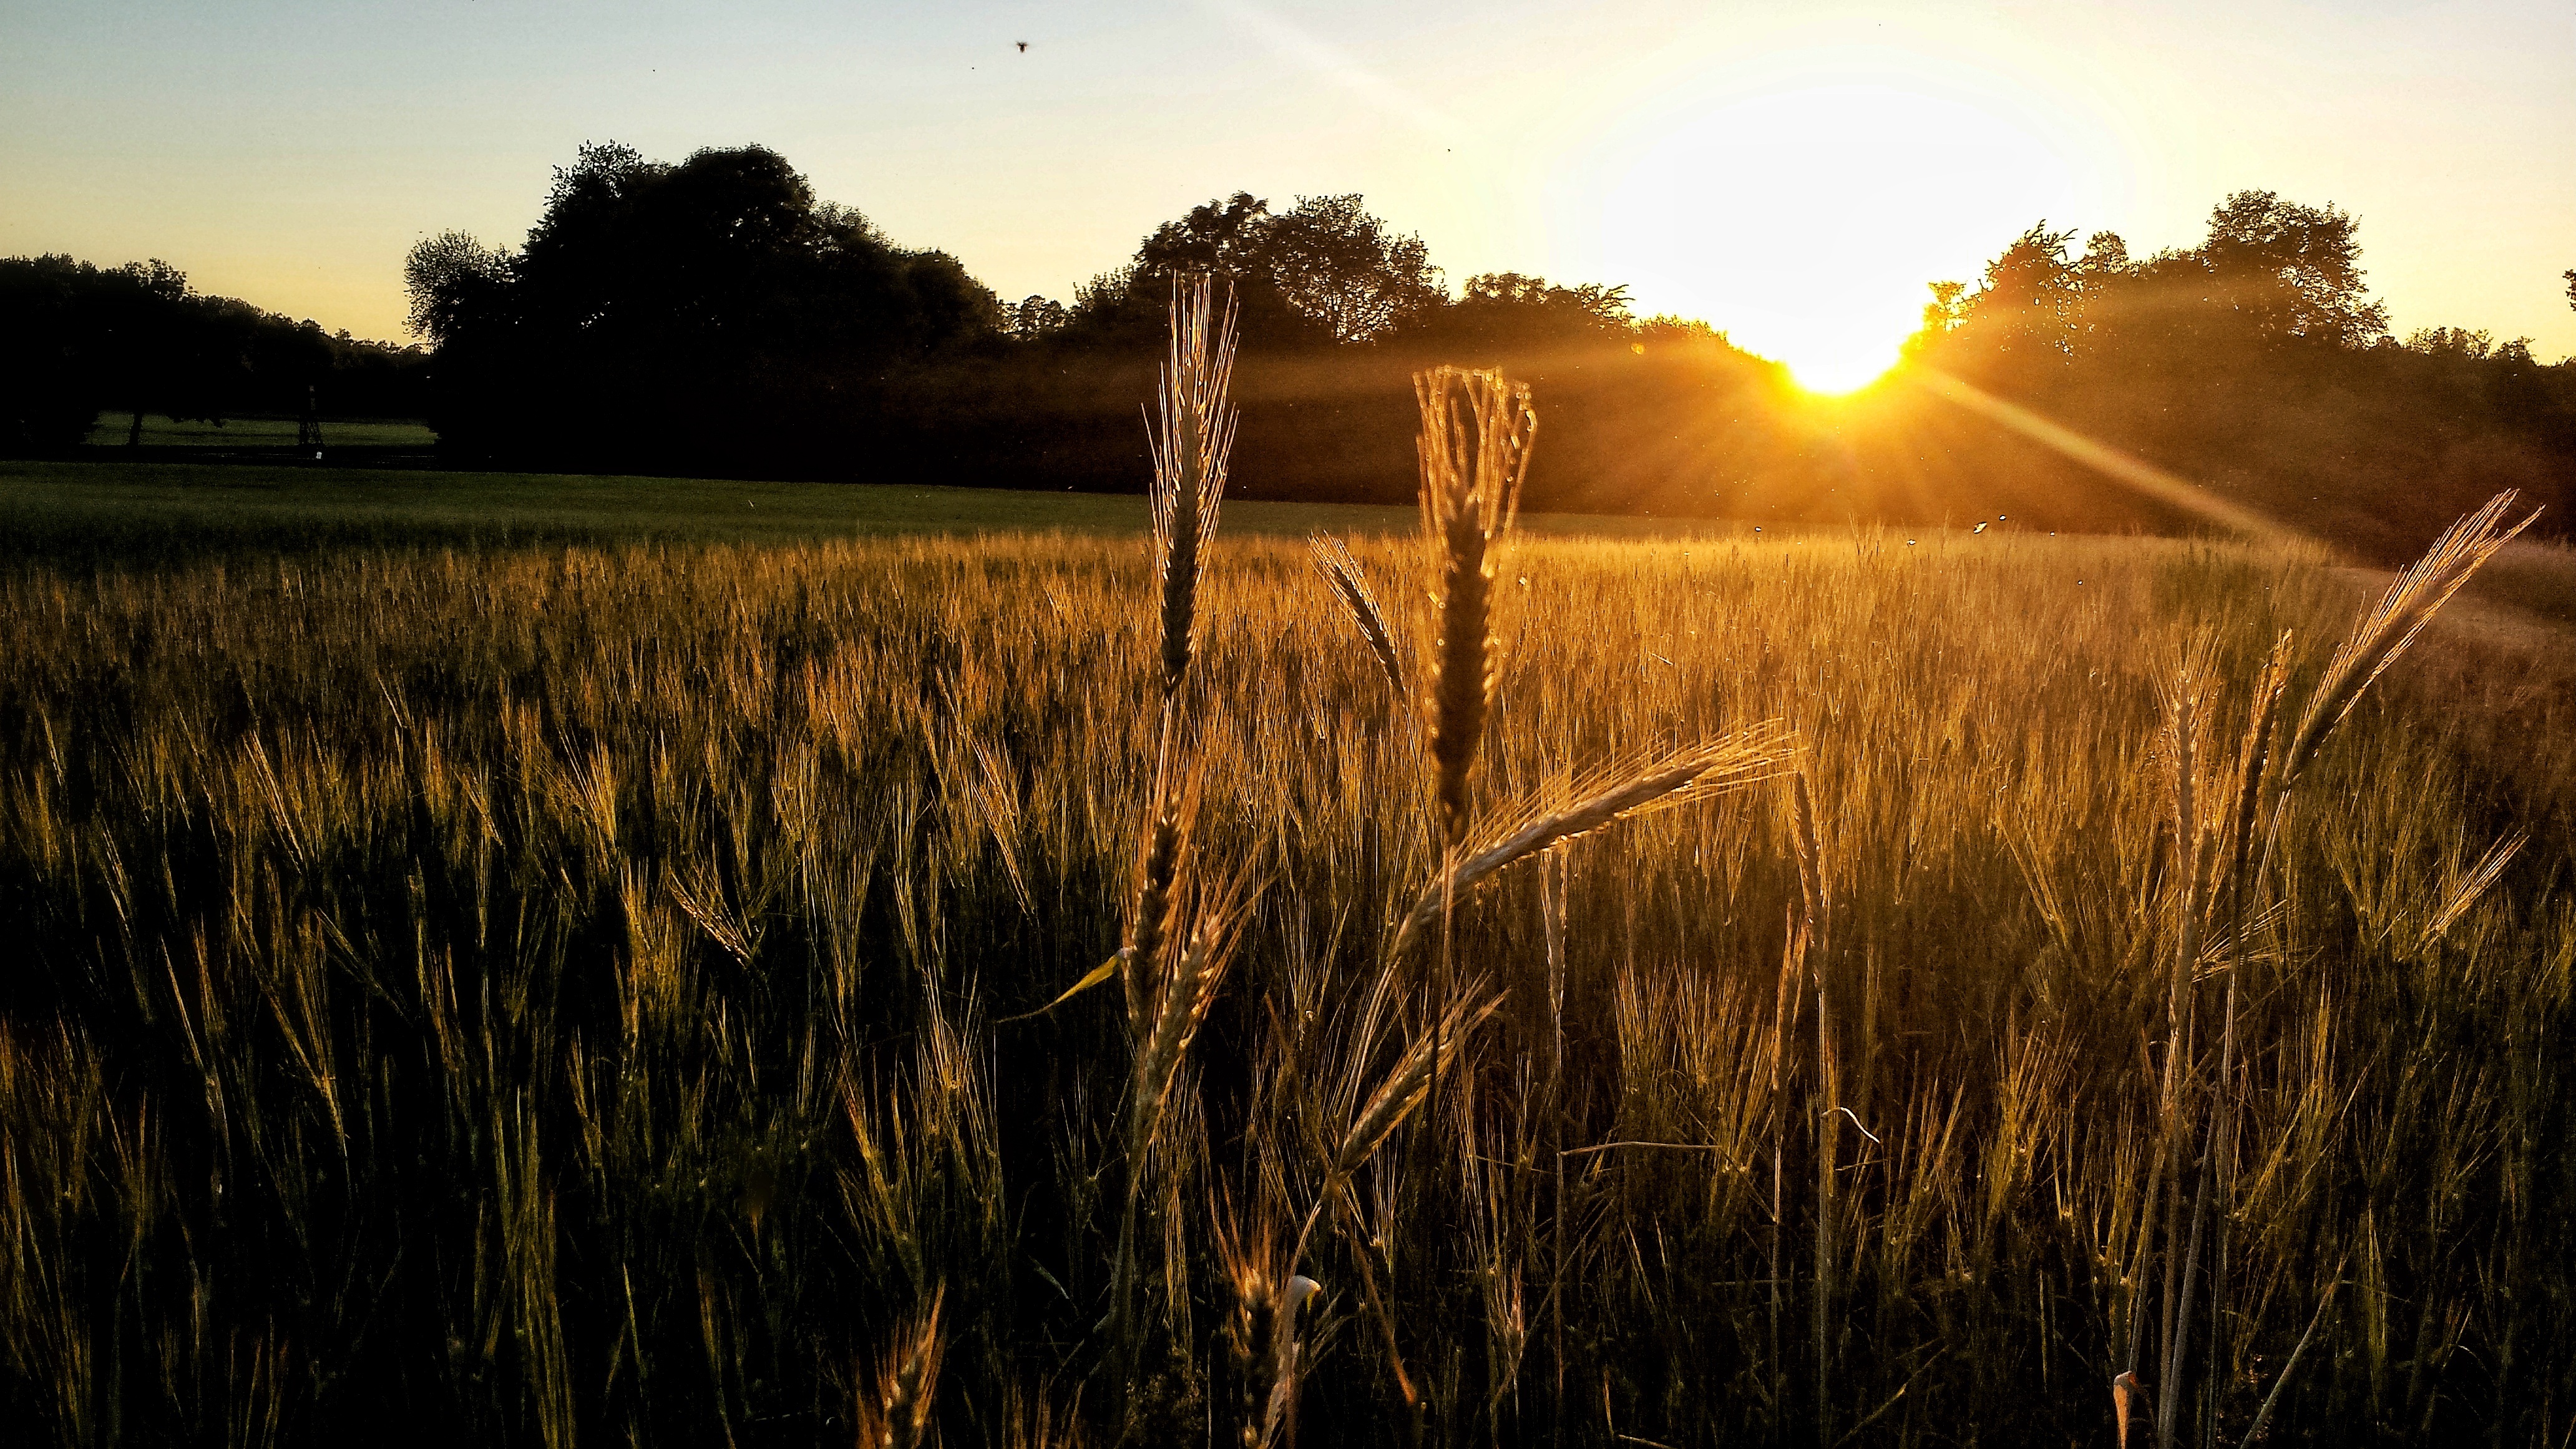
x,y
1024,47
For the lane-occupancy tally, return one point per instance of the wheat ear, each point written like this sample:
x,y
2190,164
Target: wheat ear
x,y
1261,1327
1191,447
1385,1107
1474,449
1179,1005
1164,855
2392,624
2254,761
1808,845
894,1412
1333,560
1174,1006
1694,773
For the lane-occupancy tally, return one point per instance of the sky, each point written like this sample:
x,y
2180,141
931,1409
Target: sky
x,y
1792,173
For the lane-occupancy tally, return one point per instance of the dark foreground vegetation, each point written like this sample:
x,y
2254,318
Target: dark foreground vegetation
x,y
543,994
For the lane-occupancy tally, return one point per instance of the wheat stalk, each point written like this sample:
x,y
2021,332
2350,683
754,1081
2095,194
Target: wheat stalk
x,y
1261,1328
1333,560
896,1414
1174,1007
1164,855
1191,447
1474,449
1385,1107
2391,625
1694,773
1180,1004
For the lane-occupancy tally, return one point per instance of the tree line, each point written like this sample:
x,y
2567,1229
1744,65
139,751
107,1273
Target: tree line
x,y
77,339
2257,364
715,316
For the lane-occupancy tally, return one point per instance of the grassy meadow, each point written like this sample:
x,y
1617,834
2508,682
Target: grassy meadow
x,y
116,430
485,973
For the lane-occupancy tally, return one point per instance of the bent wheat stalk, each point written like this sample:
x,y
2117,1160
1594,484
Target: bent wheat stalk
x,y
2392,624
1386,1106
1694,773
1333,560
1175,1007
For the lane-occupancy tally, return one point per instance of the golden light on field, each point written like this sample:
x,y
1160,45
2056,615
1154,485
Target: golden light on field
x,y
1806,220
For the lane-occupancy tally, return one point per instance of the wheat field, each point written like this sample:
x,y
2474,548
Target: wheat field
x,y
559,995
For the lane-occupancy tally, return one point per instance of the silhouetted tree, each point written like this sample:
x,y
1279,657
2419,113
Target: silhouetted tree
x,y
76,338
455,284
680,313
1222,237
1345,269
2257,362
1325,271
2297,269
1036,317
1501,312
2027,306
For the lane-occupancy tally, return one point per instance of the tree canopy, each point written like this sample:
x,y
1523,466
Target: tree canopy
x,y
1324,271
658,305
76,338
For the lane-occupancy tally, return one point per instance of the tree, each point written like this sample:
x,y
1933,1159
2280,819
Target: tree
x,y
1346,269
1944,314
1503,309
2106,257
2023,314
2571,287
1222,237
1035,317
672,310
76,338
2294,270
2457,343
1323,271
455,283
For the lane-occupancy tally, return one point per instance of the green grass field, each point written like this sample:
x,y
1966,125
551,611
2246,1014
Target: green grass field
x,y
112,509
114,430
544,960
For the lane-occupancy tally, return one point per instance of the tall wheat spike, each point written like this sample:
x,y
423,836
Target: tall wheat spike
x,y
1474,448
1191,447
1166,1003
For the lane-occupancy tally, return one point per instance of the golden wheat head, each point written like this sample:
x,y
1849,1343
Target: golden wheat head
x,y
1617,792
1333,560
2393,623
1474,448
1190,452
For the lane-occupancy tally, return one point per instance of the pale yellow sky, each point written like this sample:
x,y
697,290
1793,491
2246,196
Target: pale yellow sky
x,y
1794,173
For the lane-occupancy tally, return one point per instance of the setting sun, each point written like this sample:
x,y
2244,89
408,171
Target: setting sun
x,y
1809,219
